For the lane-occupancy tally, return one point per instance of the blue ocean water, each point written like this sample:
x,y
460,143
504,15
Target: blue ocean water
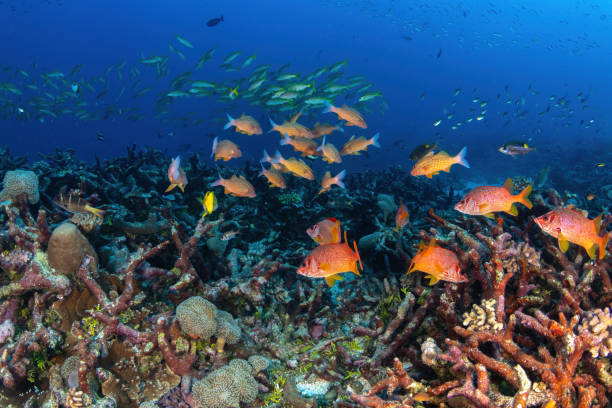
x,y
530,70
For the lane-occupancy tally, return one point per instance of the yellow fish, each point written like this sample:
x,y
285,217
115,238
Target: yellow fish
x,y
432,164
209,203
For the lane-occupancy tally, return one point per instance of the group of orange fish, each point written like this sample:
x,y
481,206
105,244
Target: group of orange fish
x,y
566,224
332,258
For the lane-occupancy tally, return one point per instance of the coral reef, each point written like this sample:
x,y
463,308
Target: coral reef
x,y
156,306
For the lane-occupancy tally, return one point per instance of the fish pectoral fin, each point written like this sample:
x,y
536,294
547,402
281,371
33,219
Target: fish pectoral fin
x,y
482,207
592,251
331,280
432,280
513,210
324,266
489,215
446,169
170,187
430,175
563,243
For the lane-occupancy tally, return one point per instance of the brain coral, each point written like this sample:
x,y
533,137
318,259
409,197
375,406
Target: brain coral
x,y
196,316
227,386
228,332
67,247
20,183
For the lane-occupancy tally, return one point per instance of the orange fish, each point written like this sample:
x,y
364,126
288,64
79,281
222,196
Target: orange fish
x,y
294,166
306,146
433,163
329,260
274,161
324,129
293,129
225,150
244,124
438,263
485,200
328,181
274,177
329,151
349,115
176,175
401,217
326,231
568,225
237,186
354,146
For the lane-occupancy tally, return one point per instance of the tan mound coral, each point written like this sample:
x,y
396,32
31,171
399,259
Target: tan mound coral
x,y
67,247
227,386
259,363
196,316
20,184
228,331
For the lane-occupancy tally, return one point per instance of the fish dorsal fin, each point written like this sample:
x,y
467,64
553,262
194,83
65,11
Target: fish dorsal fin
x,y
345,240
432,243
509,185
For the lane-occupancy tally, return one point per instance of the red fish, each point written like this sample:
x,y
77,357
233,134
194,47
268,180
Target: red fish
x,y
485,200
326,231
401,217
438,263
330,260
176,175
568,225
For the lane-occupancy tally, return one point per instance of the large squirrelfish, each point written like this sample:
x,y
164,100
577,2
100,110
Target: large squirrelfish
x,y
236,185
438,263
330,260
349,115
176,175
485,200
327,231
568,225
244,124
433,163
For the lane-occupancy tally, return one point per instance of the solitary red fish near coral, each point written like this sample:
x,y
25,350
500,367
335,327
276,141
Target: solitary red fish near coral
x,y
568,225
176,175
330,260
401,217
439,263
326,231
485,200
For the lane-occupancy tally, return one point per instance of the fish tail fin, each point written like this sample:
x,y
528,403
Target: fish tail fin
x,y
277,158
234,92
461,158
603,243
218,182
230,122
274,125
214,146
375,140
320,148
96,211
340,128
266,157
170,187
523,197
328,107
338,179
285,140
356,271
